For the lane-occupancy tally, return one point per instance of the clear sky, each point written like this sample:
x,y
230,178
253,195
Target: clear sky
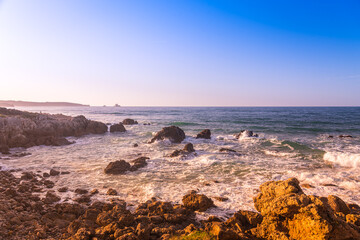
x,y
181,52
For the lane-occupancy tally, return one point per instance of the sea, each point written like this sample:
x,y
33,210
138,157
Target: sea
x,y
300,142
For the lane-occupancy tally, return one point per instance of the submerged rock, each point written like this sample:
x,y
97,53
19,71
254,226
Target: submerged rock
x,y
227,150
173,133
206,134
197,202
245,133
117,128
188,148
129,121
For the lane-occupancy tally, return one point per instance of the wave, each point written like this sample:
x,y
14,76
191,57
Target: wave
x,y
184,124
344,159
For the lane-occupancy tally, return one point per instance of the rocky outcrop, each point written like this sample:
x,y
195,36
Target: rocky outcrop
x,y
197,202
173,133
129,121
206,134
117,128
121,166
26,129
188,148
290,214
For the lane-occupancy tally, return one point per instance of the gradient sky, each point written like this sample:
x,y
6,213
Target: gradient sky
x,y
181,52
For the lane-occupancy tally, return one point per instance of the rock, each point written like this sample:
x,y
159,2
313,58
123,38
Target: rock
x,y
290,214
94,191
245,133
83,199
64,172
135,145
206,134
54,172
221,199
197,202
173,133
117,128
26,129
46,175
227,150
129,121
112,192
189,147
306,185
81,191
51,197
345,136
63,189
117,167
138,163
337,204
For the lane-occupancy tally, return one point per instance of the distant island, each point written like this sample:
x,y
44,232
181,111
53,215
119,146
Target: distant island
x,y
4,103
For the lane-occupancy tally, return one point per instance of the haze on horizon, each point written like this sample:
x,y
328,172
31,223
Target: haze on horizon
x,y
181,53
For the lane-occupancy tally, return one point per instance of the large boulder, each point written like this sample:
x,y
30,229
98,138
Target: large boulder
x,y
290,214
117,128
197,202
206,134
129,121
173,133
117,167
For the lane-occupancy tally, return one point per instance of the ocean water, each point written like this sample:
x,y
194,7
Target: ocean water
x,y
292,142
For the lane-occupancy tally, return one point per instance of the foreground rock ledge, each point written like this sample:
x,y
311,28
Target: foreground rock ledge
x,y
27,129
285,213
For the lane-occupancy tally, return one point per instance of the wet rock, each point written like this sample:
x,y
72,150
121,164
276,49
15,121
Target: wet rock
x,y
4,149
227,150
129,121
83,199
306,185
111,192
117,167
245,133
117,128
206,134
345,136
94,191
46,175
63,189
138,163
54,172
221,199
135,145
197,202
189,147
173,133
337,204
81,191
51,197
64,172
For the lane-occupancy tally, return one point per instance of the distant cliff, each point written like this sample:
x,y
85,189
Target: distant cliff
x,y
39,104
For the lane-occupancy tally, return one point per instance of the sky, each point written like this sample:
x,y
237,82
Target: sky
x,y
181,52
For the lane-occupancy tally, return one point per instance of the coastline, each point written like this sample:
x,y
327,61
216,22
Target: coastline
x,y
173,223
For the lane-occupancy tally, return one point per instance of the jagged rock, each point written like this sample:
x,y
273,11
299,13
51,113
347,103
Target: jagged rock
x,y
197,202
117,167
206,134
138,163
129,121
245,133
26,129
290,214
111,191
173,133
188,148
117,128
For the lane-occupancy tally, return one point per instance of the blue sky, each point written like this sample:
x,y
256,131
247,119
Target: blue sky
x,y
181,52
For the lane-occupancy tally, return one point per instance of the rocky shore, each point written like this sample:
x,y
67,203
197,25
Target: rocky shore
x,y
30,208
27,129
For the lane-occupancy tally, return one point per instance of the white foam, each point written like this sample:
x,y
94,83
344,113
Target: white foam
x,y
345,159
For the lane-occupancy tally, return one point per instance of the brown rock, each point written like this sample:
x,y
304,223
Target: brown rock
x,y
63,189
197,202
189,147
112,192
173,133
138,163
227,150
117,167
54,172
129,121
51,197
206,134
117,128
81,191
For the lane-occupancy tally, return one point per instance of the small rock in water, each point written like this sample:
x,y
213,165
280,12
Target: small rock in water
x,y
111,192
221,199
206,134
81,191
63,189
117,128
54,172
227,150
129,121
94,191
135,145
138,163
306,185
64,173
189,147
345,136
46,175
117,167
